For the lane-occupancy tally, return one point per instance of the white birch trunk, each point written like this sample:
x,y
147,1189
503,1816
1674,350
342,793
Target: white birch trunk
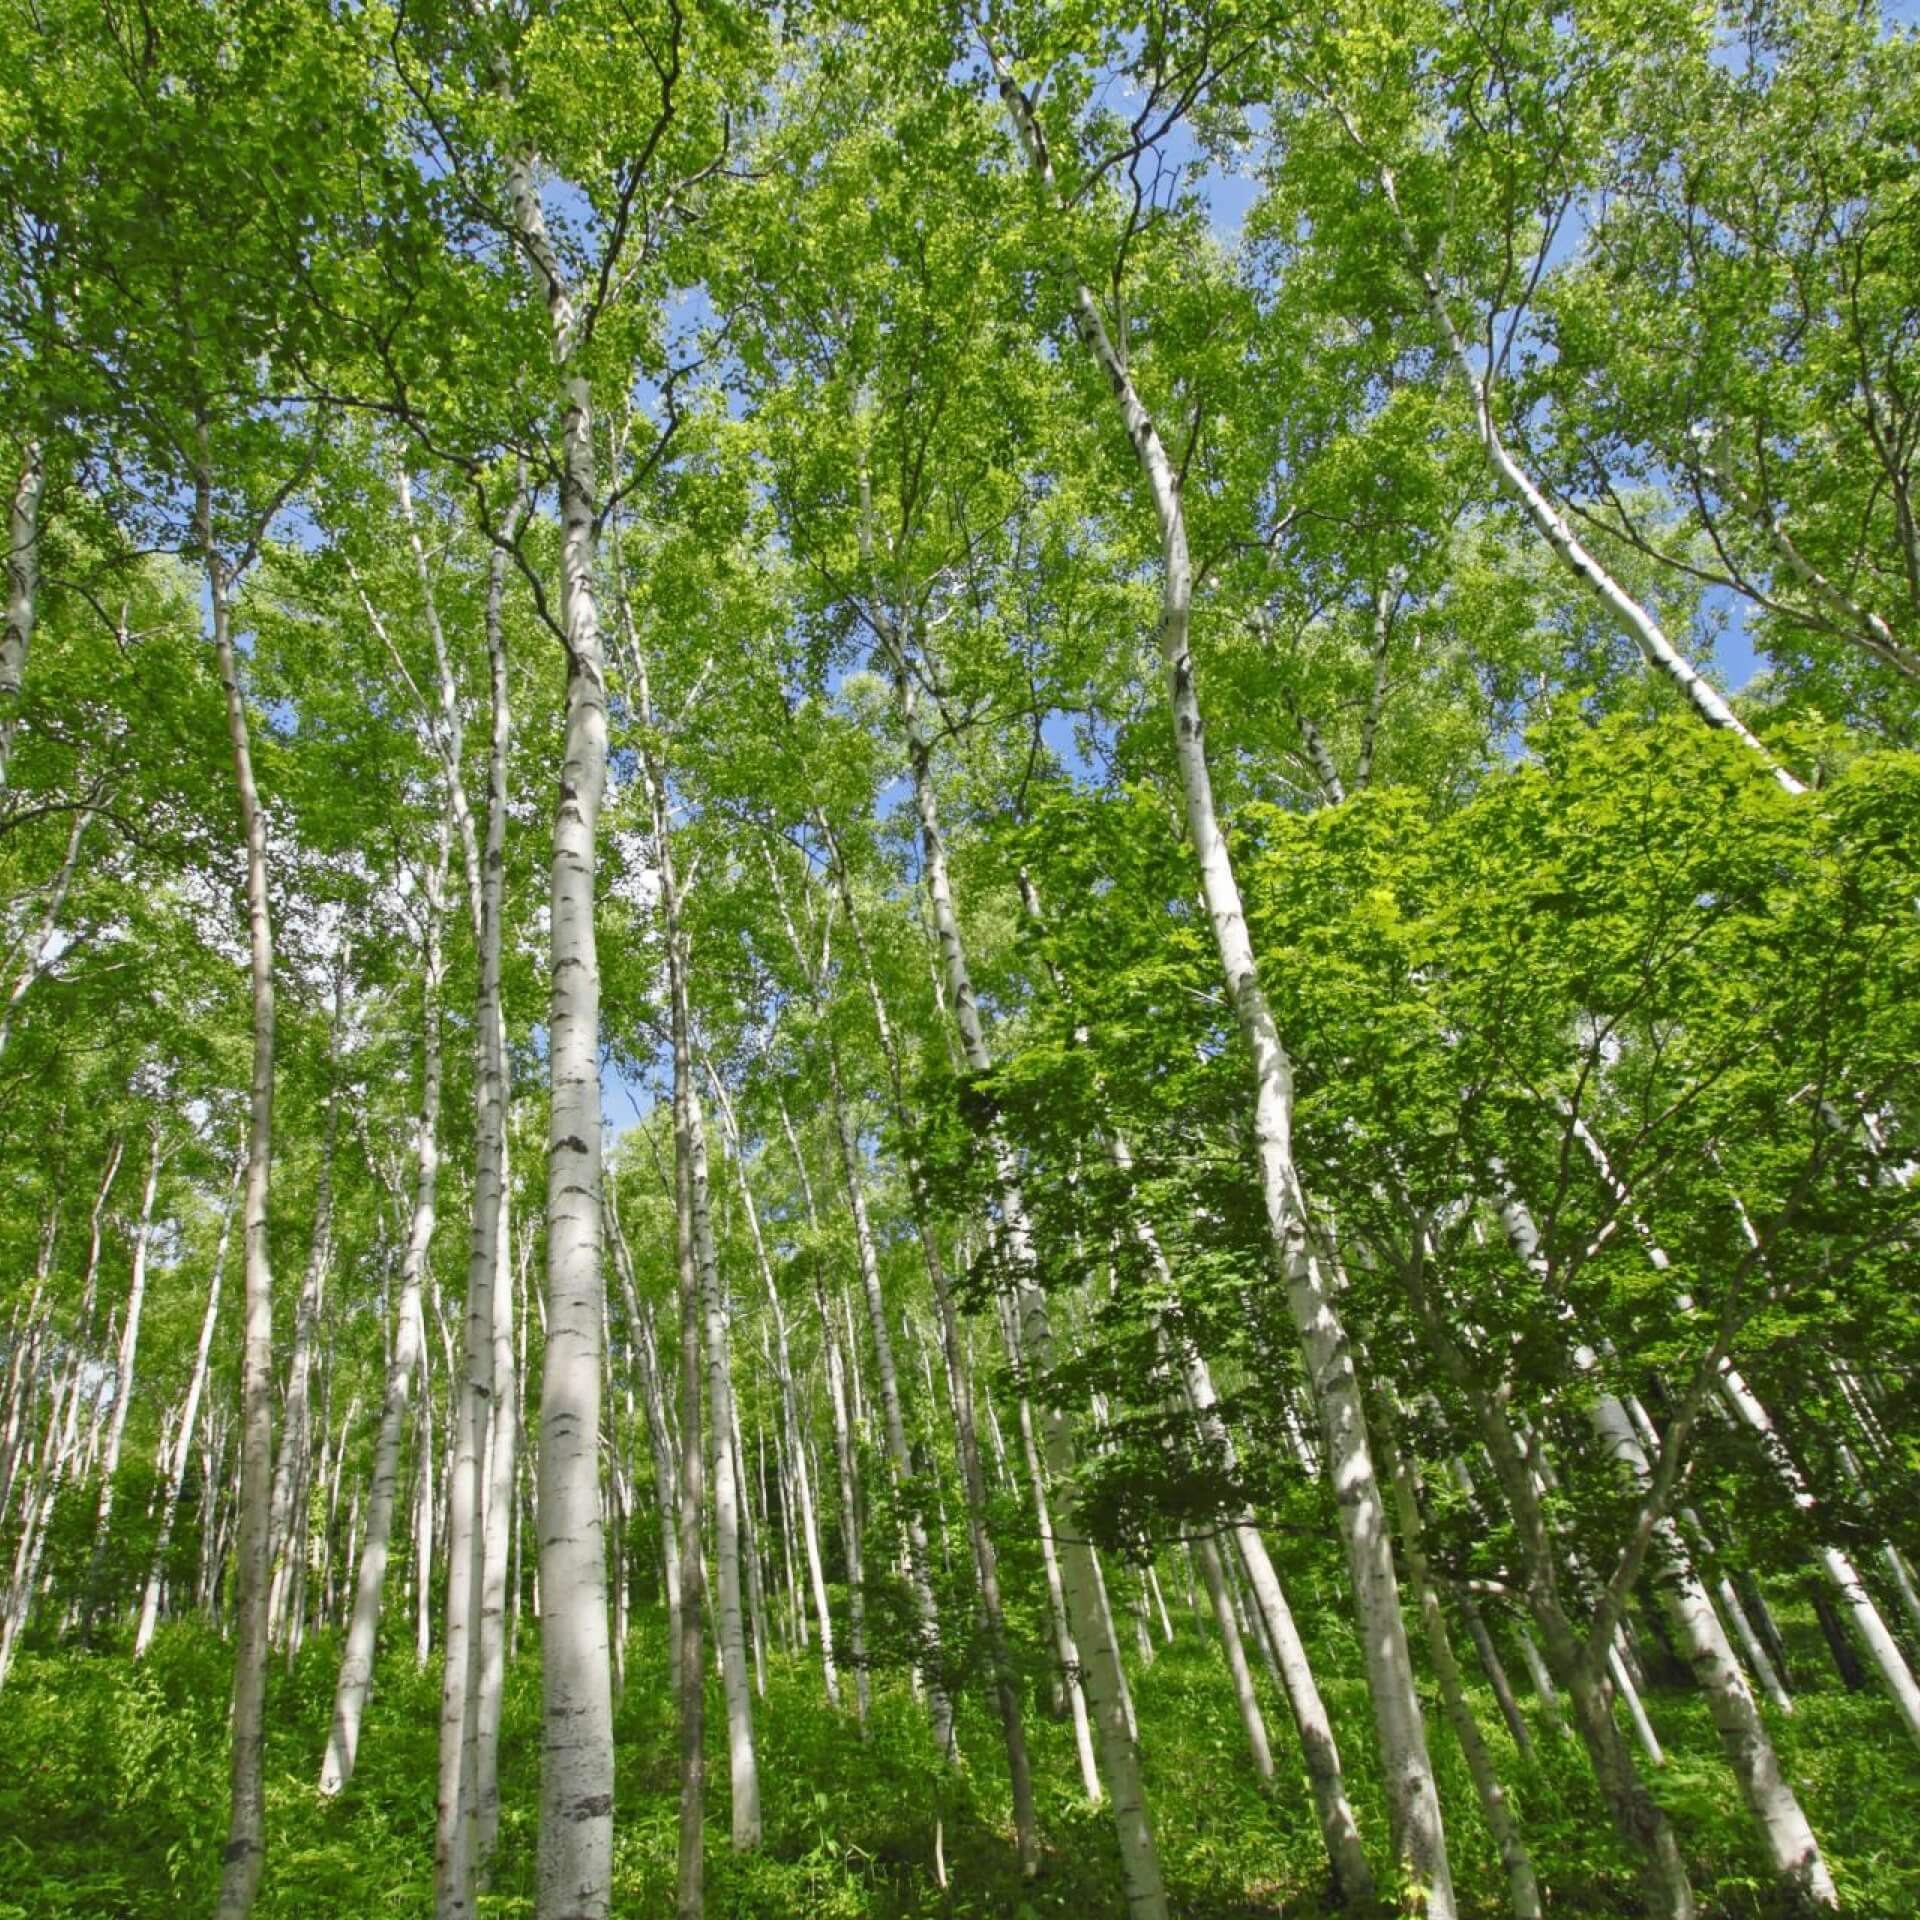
x,y
290,1467
124,1363
750,1549
503,1431
849,1507
1838,1567
247,1826
1413,1799
1233,1649
1104,1678
576,1773
659,1433
893,1425
23,580
743,1770
189,1419
458,1838
690,1900
423,1509
1637,621
356,1660
783,1370
1523,1888
1791,1848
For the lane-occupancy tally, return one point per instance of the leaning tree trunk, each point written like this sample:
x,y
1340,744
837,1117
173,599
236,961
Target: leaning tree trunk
x,y
1413,1797
1787,1838
1574,1658
1785,1834
247,1825
1638,623
1523,1888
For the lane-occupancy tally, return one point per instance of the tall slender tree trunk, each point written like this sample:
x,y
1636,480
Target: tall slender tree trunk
x,y
1523,1888
124,1366
750,1551
458,1857
1065,1651
1413,1798
659,1435
721,1467
503,1431
23,581
356,1660
893,1423
247,1825
1105,1679
290,1467
423,1508
789,1404
690,1903
1496,1674
576,1774
986,1563
690,1149
182,1452
1233,1650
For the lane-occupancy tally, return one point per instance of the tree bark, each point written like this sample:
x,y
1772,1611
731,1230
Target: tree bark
x,y
247,1826
893,1425
23,581
789,1405
1523,1889
1419,1835
356,1661
576,1772
124,1365
291,1465
189,1420
1635,620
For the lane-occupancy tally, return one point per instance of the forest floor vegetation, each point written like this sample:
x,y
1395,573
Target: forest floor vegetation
x,y
113,1776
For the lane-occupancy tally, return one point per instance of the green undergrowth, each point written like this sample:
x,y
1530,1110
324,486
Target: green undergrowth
x,y
113,1799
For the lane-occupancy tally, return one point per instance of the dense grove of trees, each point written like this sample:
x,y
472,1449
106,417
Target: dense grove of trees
x,y
897,842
